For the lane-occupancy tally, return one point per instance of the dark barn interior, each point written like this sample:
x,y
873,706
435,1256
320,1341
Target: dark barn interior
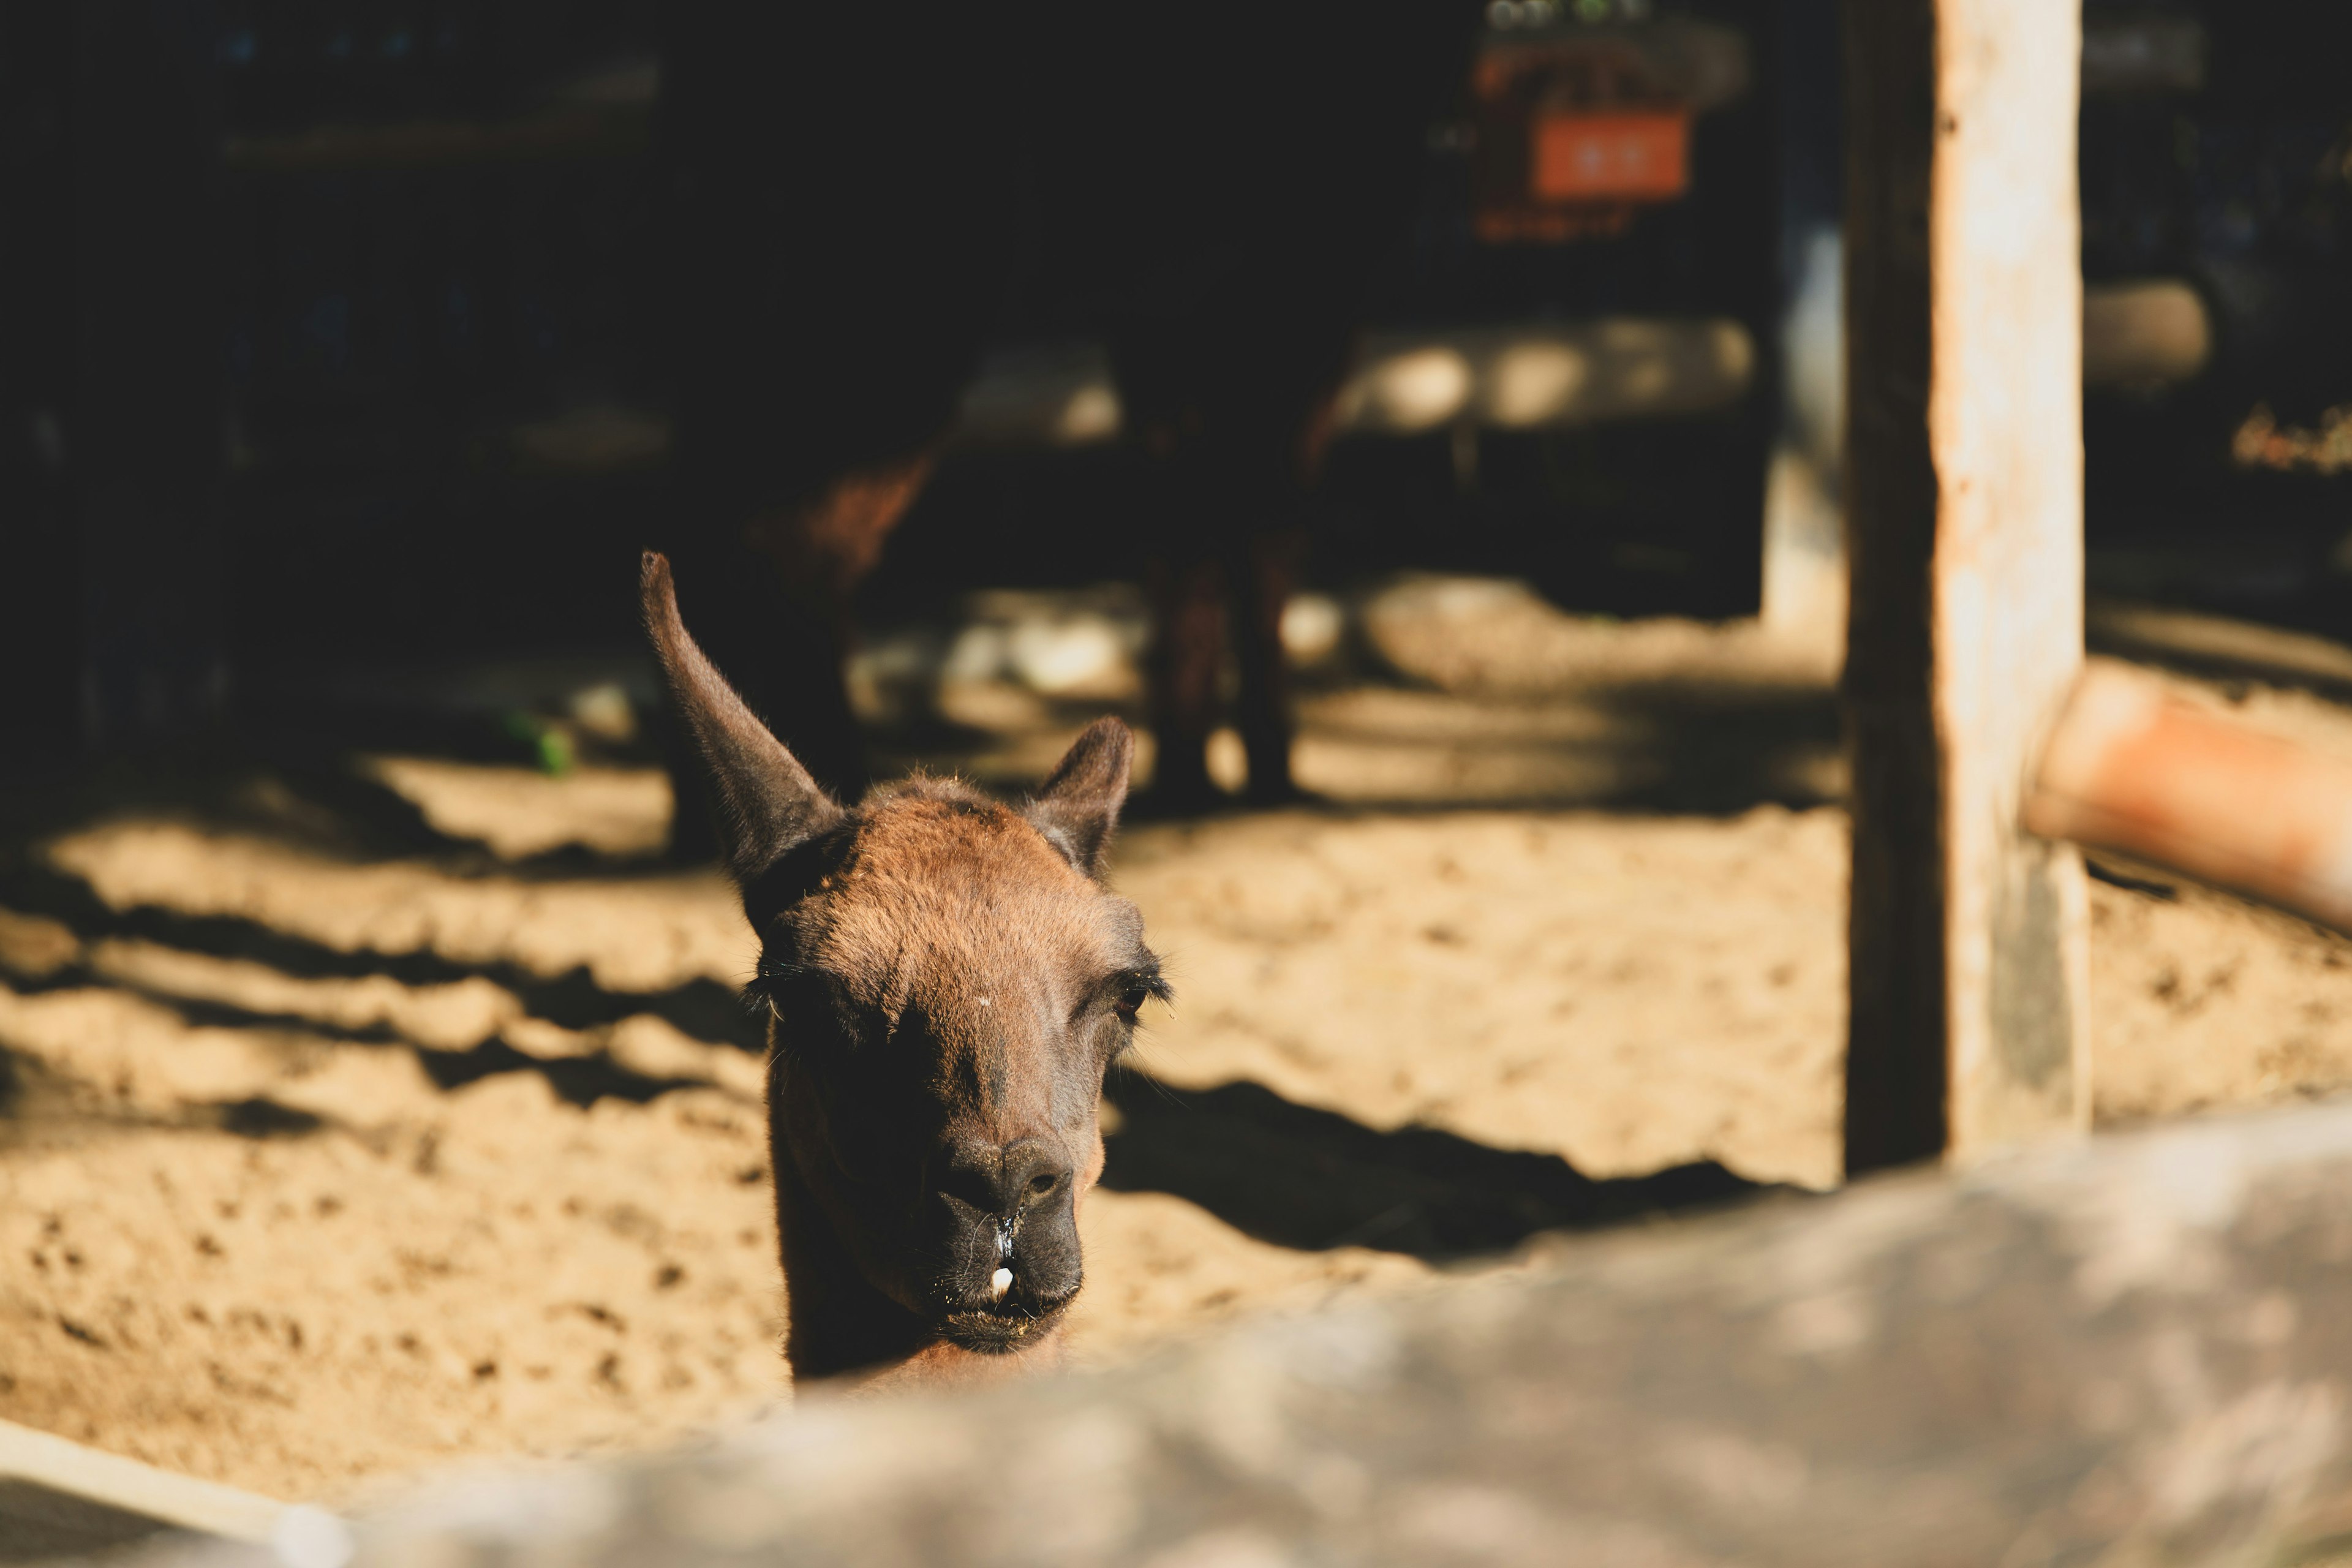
x,y
371,300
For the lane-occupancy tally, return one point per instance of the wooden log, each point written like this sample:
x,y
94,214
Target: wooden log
x,y
1964,311
2132,768
2124,1350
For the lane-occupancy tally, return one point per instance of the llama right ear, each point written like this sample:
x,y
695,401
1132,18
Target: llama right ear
x,y
1078,805
767,800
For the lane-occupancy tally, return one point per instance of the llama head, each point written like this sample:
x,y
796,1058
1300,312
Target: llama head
x,y
948,980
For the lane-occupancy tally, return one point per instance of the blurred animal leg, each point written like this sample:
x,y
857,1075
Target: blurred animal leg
x,y
1263,581
821,552
1234,402
1188,654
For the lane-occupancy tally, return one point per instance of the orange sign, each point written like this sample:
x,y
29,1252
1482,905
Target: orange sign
x,y
1642,156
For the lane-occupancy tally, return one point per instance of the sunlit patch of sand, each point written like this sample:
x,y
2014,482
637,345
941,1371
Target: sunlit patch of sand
x,y
522,812
1547,981
641,934
1157,1266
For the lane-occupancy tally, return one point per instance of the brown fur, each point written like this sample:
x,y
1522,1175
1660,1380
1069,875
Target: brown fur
x,y
946,982
823,550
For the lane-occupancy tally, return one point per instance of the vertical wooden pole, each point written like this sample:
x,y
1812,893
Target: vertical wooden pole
x,y
1964,321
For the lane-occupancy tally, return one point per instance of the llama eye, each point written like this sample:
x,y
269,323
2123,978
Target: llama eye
x,y
1134,989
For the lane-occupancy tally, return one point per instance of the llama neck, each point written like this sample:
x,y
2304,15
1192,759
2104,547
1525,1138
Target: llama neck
x,y
837,1324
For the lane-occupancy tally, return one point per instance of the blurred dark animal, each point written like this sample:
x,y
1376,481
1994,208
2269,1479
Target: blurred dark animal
x,y
857,195
946,981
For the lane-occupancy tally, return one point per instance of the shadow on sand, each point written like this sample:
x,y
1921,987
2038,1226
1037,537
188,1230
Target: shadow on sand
x,y
1299,1177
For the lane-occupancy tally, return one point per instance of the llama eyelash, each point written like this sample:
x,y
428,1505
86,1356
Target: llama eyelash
x,y
1139,986
759,993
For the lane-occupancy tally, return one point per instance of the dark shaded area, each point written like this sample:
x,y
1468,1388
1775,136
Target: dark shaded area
x,y
348,341
582,1081
1894,1072
1634,517
1300,1177
41,1110
259,1118
36,1108
2100,871
46,1525
2239,189
383,255
701,1009
380,821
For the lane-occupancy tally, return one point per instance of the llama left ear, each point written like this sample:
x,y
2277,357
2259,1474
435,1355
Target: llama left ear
x,y
1078,805
767,801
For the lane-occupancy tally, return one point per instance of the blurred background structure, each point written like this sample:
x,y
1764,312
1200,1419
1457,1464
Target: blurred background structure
x,y
400,391
307,308
335,340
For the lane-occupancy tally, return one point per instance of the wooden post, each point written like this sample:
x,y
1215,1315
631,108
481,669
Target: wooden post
x,y
1964,324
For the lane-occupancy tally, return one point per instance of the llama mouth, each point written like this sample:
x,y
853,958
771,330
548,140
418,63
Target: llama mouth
x,y
1001,1331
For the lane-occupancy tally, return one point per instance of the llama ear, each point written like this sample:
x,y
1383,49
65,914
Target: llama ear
x,y
767,801
1078,805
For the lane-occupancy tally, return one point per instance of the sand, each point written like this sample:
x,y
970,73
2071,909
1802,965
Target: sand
x,y
322,1166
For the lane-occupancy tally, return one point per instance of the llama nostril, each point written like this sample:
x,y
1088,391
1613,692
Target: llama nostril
x,y
1000,1183
1033,1173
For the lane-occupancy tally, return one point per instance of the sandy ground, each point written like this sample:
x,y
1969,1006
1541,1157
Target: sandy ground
x,y
322,1162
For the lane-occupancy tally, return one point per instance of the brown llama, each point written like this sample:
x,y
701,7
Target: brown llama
x,y
947,980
